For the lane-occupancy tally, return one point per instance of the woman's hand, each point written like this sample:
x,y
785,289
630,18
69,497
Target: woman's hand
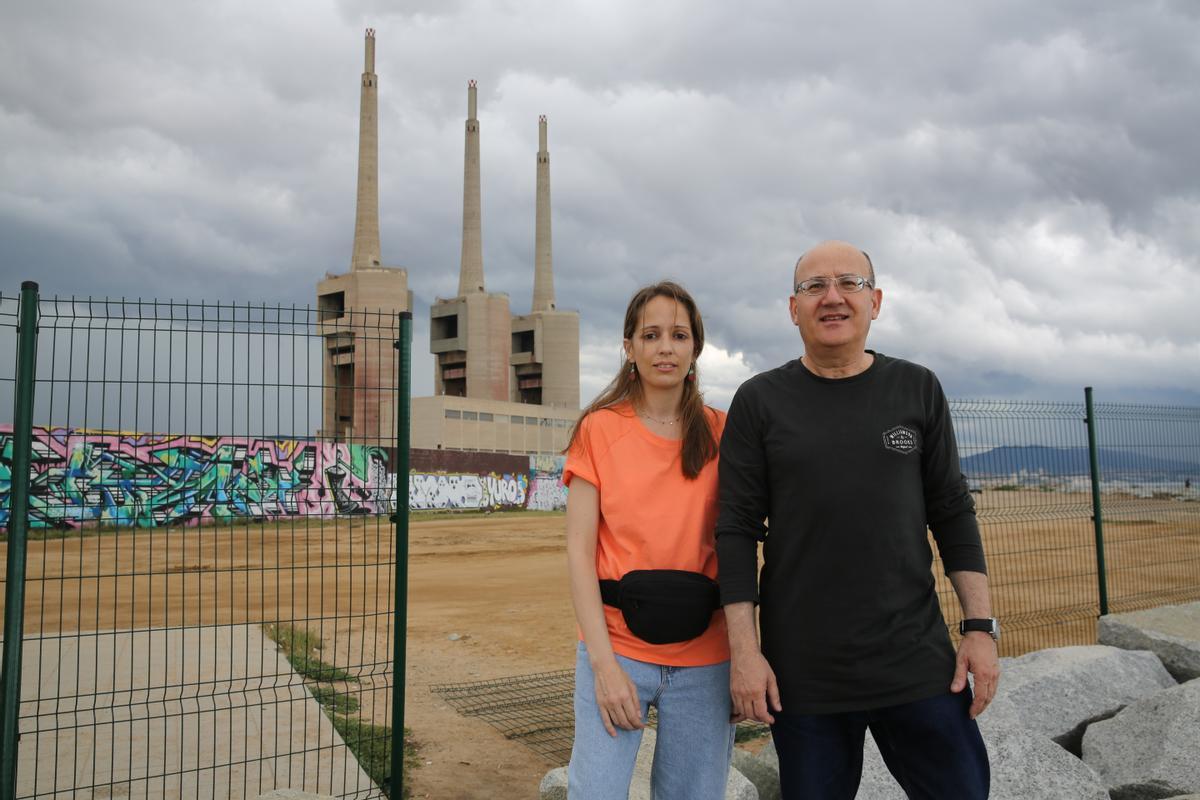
x,y
615,693
617,698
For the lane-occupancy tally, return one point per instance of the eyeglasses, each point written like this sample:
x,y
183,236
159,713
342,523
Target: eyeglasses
x,y
846,284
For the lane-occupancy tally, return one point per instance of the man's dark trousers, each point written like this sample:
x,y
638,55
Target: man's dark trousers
x,y
931,747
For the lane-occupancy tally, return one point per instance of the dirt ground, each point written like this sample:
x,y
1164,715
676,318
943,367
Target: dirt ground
x,y
506,597
498,582
488,599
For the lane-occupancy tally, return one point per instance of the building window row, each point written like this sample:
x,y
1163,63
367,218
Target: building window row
x,y
515,419
506,451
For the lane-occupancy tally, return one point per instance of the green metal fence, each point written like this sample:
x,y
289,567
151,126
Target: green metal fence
x,y
214,549
1151,503
210,560
1029,464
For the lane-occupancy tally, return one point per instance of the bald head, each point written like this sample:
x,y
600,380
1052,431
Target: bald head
x,y
834,312
840,258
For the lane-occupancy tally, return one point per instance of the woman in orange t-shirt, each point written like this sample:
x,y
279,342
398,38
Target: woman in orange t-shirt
x,y
642,473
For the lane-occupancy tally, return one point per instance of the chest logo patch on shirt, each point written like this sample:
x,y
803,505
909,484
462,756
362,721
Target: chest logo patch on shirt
x,y
901,440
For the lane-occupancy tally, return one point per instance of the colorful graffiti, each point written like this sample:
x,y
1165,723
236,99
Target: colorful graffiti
x,y
83,478
546,490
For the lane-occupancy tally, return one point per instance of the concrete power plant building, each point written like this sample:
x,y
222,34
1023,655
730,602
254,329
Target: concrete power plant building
x,y
501,383
355,310
545,342
468,335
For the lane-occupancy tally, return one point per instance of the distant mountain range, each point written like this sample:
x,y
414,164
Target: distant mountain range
x,y
1001,461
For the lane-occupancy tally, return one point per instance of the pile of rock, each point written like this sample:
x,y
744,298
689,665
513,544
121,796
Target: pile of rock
x,y
1120,719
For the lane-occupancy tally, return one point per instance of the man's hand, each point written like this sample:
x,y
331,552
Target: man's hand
x,y
977,655
977,651
617,697
752,688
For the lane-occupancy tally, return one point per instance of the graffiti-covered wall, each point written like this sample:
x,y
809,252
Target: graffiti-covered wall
x,y
454,479
546,490
147,481
84,478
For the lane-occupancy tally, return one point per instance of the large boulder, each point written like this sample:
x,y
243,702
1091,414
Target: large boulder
x,y
1149,750
554,783
1025,766
1059,692
1170,632
1028,766
762,770
877,781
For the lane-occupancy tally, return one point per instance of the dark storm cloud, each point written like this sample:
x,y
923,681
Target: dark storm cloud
x,y
1024,174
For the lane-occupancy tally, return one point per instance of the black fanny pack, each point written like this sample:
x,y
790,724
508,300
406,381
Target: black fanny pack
x,y
663,606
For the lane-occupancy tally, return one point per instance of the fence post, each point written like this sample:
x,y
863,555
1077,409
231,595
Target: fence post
x,y
1097,518
400,518
18,523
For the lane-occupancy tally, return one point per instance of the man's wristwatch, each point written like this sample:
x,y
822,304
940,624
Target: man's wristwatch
x,y
990,626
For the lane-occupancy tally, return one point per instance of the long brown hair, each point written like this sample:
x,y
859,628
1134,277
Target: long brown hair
x,y
699,444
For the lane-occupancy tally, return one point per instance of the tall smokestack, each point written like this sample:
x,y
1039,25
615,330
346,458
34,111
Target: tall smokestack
x,y
470,277
543,259
366,216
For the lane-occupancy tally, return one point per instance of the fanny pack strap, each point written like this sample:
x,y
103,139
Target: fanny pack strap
x,y
610,593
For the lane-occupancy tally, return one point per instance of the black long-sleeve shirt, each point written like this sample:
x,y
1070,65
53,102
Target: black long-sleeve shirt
x,y
850,473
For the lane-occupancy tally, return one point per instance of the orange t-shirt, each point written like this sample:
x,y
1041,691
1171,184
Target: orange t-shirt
x,y
651,517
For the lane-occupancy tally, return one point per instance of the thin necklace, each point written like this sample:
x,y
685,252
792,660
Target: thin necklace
x,y
659,421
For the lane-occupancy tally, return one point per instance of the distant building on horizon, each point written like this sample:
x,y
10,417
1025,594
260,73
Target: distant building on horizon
x,y
501,383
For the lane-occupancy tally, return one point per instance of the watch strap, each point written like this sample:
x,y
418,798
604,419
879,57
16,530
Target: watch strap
x,y
987,625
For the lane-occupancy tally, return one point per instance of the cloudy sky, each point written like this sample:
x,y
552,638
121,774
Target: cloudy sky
x,y
1026,175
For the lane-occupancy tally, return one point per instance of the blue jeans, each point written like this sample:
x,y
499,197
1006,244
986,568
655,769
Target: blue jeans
x,y
695,739
931,747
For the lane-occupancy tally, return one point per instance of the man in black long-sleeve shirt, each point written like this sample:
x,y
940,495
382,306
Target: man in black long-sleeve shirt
x,y
851,456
